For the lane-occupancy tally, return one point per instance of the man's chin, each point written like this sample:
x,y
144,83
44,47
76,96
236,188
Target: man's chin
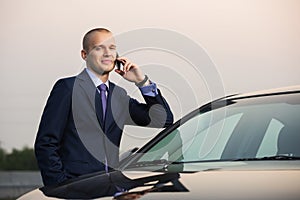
x,y
103,72
108,71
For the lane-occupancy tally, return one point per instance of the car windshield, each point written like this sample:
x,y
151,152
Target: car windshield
x,y
241,129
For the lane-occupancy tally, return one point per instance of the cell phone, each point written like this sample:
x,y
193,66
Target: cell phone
x,y
118,64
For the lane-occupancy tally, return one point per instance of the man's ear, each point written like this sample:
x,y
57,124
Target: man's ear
x,y
83,54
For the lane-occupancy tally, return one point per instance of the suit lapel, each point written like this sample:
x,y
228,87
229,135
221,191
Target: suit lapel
x,y
93,95
87,85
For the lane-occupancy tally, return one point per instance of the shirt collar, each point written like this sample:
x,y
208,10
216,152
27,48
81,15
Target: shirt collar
x,y
95,79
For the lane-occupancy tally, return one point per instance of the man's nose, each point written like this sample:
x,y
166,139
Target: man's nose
x,y
107,52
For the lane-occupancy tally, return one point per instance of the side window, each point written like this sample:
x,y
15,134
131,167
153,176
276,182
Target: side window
x,y
169,149
268,146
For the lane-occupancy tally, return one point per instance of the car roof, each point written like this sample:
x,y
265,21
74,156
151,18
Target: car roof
x,y
281,90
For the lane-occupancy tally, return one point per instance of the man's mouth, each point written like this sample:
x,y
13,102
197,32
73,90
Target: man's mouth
x,y
106,62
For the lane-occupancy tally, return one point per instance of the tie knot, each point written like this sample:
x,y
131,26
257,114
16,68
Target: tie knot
x,y
102,87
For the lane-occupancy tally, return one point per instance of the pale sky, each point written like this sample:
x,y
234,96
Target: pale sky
x,y
252,45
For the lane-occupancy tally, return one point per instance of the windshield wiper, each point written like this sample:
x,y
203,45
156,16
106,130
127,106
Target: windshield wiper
x,y
277,157
162,162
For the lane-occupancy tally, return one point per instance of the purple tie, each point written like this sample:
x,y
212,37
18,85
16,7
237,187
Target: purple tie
x,y
103,89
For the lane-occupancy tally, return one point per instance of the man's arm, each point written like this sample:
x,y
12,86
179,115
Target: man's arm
x,y
50,133
155,113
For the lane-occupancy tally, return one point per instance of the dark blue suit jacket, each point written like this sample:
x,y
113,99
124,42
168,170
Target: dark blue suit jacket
x,y
72,139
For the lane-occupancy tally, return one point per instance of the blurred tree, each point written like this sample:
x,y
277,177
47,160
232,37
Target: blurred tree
x,y
2,158
18,159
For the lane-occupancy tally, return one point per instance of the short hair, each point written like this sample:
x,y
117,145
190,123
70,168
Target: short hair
x,y
86,38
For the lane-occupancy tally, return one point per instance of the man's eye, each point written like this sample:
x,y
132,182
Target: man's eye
x,y
98,48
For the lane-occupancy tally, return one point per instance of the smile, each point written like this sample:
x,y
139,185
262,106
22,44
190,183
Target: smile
x,y
106,62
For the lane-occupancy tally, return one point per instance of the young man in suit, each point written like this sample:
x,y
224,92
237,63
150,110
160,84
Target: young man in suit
x,y
82,123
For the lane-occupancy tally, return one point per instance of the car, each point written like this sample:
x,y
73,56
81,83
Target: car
x,y
244,146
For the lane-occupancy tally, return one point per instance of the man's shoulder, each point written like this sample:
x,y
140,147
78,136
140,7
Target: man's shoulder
x,y
67,82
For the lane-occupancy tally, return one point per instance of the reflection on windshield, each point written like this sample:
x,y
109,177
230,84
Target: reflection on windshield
x,y
115,184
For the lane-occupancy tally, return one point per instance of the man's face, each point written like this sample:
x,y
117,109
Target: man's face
x,y
101,53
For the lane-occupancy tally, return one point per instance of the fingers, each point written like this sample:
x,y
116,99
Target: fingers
x,y
120,72
127,64
131,72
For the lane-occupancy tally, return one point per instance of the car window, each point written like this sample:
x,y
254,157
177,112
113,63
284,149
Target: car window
x,y
252,128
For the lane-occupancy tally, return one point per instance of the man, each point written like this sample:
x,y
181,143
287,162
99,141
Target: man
x,y
82,123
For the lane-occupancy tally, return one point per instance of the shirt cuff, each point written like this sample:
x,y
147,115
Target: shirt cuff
x,y
149,90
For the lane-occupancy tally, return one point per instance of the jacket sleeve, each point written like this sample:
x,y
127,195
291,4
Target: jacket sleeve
x,y
154,113
51,128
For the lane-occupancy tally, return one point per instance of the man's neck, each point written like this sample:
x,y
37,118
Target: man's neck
x,y
102,77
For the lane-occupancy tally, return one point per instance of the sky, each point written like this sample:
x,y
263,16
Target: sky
x,y
195,50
